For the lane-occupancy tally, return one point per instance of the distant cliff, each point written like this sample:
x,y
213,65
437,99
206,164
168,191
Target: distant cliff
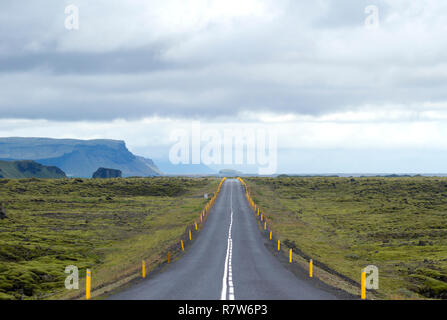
x,y
28,169
183,169
229,173
78,158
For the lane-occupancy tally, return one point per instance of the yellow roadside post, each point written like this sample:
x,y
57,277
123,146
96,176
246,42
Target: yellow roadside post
x,y
195,223
279,245
143,269
265,225
183,247
311,267
190,238
88,284
290,256
363,289
270,235
201,218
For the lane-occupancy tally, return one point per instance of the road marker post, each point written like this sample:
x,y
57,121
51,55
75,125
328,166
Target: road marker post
x,y
270,235
363,286
201,218
143,269
88,284
311,268
265,226
183,247
290,256
262,217
279,245
169,257
195,224
190,238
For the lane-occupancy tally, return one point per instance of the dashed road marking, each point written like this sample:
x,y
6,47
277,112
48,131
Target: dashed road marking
x,y
227,281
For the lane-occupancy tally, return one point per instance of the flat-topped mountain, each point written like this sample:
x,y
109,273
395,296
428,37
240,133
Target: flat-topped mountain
x,y
78,158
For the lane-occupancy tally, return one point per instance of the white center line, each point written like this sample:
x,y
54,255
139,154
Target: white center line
x,y
228,271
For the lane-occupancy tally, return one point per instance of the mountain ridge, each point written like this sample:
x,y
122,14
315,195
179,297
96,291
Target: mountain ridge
x,y
28,169
78,158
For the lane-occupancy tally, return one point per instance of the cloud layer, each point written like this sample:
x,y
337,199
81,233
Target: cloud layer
x,y
207,59
342,97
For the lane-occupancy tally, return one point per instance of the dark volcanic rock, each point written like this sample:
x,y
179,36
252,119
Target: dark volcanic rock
x,y
105,173
2,212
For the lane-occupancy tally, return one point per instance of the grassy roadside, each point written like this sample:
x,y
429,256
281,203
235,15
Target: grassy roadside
x,y
397,224
106,225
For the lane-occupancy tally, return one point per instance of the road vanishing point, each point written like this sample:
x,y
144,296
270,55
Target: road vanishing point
x,y
228,261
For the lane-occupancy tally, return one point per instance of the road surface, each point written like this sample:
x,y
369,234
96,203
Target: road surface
x,y
228,261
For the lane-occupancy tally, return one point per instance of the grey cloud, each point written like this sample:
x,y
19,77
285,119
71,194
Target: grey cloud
x,y
120,61
315,58
348,13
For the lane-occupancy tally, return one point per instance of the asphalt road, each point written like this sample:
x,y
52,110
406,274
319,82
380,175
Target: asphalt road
x,y
227,261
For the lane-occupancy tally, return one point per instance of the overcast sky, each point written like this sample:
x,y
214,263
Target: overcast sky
x,y
343,97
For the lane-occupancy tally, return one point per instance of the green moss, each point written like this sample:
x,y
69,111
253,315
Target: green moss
x,y
105,225
430,287
397,224
4,296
